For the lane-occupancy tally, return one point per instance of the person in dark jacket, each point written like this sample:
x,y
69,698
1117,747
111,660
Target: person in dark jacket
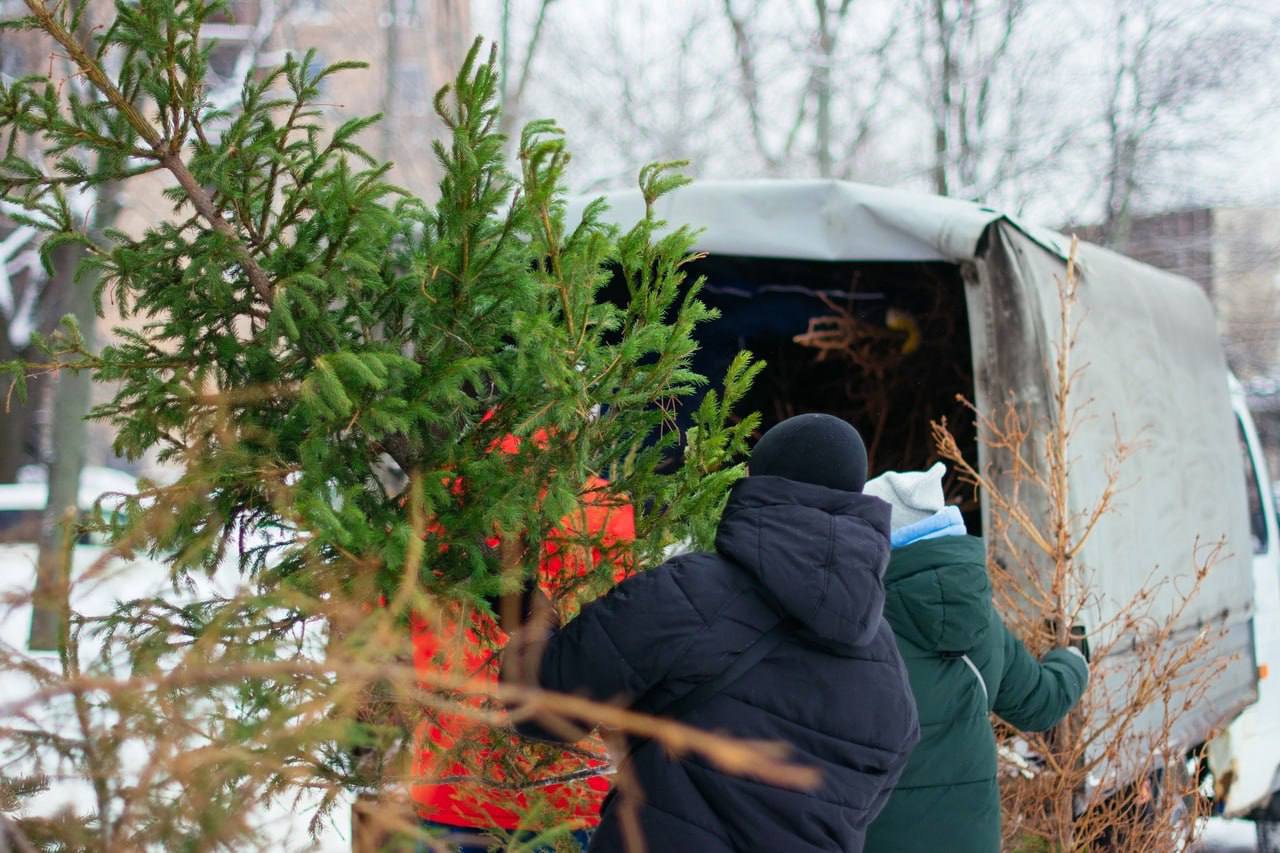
x,y
798,544
964,665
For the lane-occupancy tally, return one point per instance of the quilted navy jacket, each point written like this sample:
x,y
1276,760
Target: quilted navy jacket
x,y
835,689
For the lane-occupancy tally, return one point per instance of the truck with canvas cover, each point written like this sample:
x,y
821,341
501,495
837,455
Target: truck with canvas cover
x,y
928,300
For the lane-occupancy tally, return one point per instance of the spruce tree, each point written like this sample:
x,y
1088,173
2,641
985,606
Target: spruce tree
x,y
329,363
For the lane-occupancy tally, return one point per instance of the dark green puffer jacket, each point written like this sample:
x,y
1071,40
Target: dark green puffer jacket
x,y
938,601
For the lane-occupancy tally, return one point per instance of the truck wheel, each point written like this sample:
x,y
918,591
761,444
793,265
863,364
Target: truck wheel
x,y
1268,836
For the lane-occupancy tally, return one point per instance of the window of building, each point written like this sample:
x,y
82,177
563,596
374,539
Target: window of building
x,y
413,95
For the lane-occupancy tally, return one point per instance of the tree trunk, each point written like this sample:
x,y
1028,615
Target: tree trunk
x,y
513,89
944,105
67,451
391,62
822,92
71,399
377,824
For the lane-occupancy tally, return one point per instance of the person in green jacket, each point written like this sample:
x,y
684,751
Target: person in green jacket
x,y
964,665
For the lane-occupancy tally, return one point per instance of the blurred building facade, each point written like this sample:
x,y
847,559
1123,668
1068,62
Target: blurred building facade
x,y
411,47
1234,254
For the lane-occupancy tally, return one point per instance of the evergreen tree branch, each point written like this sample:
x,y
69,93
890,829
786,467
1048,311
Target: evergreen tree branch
x,y
466,339
164,151
760,759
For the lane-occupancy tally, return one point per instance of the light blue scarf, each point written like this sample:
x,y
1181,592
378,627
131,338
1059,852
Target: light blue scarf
x,y
947,522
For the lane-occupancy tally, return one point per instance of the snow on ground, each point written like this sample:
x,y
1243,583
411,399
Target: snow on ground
x,y
283,824
1222,835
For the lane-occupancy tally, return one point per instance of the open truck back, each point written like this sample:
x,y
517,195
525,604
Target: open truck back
x,y
971,297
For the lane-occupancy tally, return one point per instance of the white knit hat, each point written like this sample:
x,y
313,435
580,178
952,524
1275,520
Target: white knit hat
x,y
914,495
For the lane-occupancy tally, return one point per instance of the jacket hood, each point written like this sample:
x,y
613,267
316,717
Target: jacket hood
x,y
821,553
938,593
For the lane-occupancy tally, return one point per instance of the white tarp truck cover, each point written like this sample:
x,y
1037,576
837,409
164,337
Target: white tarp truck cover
x,y
1154,373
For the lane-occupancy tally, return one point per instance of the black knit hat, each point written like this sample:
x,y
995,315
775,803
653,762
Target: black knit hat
x,y
814,448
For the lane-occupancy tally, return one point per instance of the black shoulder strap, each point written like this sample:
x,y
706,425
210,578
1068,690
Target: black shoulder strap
x,y
747,658
680,707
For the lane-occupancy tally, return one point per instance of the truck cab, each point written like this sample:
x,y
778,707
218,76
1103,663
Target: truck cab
x,y
1245,757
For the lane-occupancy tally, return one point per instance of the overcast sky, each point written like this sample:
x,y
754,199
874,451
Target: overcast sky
x,y
651,79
